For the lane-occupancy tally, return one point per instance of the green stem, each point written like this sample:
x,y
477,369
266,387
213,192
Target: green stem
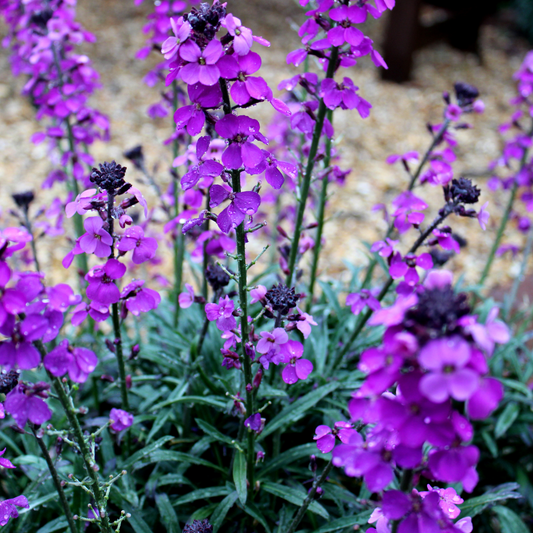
x,y
57,483
412,182
179,242
90,465
509,301
243,304
304,190
320,218
499,235
309,499
120,358
368,313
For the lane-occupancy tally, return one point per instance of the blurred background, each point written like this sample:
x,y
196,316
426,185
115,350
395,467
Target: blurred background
x,y
430,45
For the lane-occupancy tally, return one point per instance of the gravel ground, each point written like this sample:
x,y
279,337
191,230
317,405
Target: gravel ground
x,y
397,122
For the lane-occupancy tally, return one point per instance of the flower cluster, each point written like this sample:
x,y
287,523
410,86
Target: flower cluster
x,y
101,240
42,39
434,352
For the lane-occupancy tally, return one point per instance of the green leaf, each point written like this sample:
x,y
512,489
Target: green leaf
x,y
138,524
168,515
490,442
137,456
345,522
474,506
293,496
506,419
38,502
222,510
298,409
203,494
331,296
288,458
239,476
205,400
54,525
158,456
172,479
159,422
254,512
509,520
213,432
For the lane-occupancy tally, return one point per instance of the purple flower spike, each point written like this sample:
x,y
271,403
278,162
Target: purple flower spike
x,y
240,131
97,240
8,508
242,204
297,368
101,280
144,248
23,404
222,313
201,64
5,462
120,419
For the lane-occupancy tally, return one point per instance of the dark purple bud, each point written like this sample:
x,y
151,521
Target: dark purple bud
x,y
135,350
136,156
110,346
198,526
129,382
106,377
465,94
313,466
258,377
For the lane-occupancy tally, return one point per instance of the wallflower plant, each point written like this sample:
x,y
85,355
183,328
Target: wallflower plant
x,y
133,401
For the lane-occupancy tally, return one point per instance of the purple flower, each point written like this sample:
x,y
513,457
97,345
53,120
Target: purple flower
x,y
245,86
102,287
186,298
61,297
139,299
97,240
345,32
20,351
182,30
255,423
204,168
407,213
5,462
272,341
222,313
297,368
325,436
359,300
24,403
78,362
192,117
240,131
8,508
305,323
446,360
343,95
485,399
406,267
242,36
144,248
449,499
97,311
258,293
201,64
242,204
231,359
455,464
120,419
